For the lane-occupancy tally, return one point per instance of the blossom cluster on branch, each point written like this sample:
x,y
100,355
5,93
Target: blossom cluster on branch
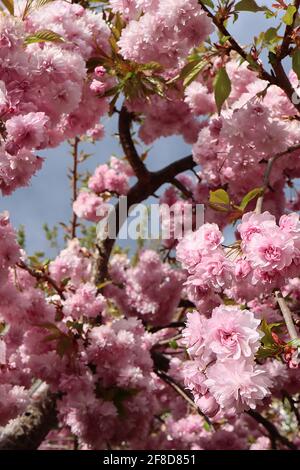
x,y
191,342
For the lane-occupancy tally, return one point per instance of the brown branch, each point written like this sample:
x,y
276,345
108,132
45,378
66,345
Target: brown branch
x,y
145,187
125,121
30,429
284,49
283,82
74,184
219,23
138,193
165,342
272,430
278,76
41,276
293,406
185,303
175,324
267,174
287,315
185,191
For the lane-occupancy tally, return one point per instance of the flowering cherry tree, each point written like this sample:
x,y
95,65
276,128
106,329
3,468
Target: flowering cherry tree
x,y
193,342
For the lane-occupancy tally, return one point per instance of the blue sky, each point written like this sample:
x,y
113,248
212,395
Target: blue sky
x,y
47,199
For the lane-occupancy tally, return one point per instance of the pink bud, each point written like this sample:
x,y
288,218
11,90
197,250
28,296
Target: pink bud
x,y
97,86
208,405
99,71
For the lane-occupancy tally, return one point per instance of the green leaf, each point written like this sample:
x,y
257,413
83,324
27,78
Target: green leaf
x,y
103,284
41,3
220,196
296,62
270,35
44,35
248,5
49,326
222,88
295,343
21,236
289,15
209,3
173,344
269,347
206,426
4,327
9,4
249,196
191,71
220,200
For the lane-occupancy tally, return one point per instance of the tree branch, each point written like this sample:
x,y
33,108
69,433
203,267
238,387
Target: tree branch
x,y
219,23
279,76
180,390
175,324
283,82
138,193
125,120
272,430
74,184
284,49
41,276
185,191
293,406
287,315
30,429
268,171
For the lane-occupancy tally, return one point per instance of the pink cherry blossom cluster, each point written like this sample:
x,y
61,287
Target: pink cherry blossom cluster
x,y
265,257
165,33
189,433
166,117
10,251
223,374
271,250
45,95
150,290
102,372
112,178
113,380
126,354
233,148
73,264
176,209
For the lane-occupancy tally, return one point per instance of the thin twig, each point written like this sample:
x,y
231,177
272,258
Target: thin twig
x,y
176,324
267,174
74,174
125,120
179,389
293,406
30,429
185,191
287,315
278,76
41,276
166,341
284,49
219,23
272,430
